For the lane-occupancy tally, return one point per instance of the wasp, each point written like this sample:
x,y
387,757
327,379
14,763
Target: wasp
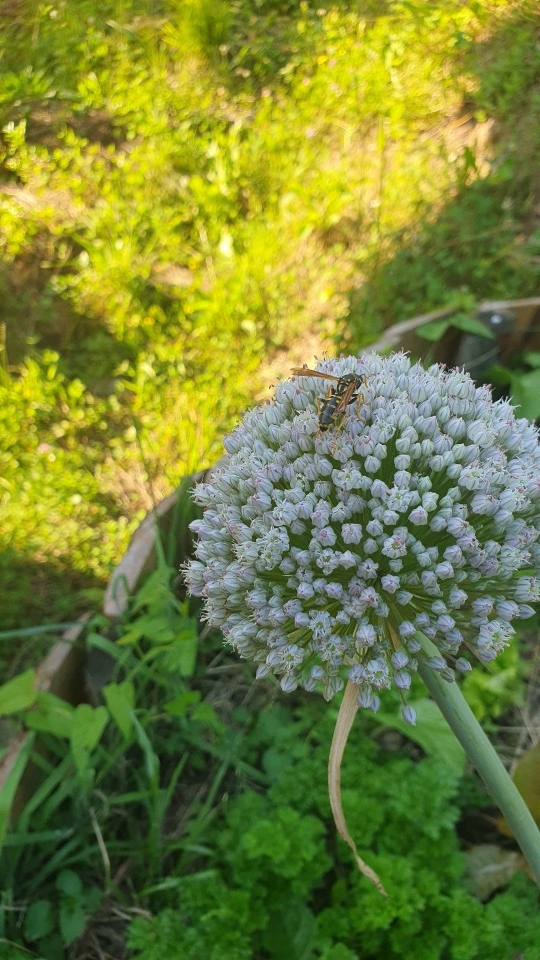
x,y
333,406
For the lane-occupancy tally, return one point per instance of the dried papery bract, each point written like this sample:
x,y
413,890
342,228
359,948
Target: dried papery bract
x,y
344,722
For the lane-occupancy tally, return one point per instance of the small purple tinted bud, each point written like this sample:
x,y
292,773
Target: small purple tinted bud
x,y
352,533
436,663
525,611
444,570
418,516
390,583
445,623
305,591
403,597
413,645
364,697
527,589
356,674
402,679
457,598
374,703
507,610
448,675
399,659
482,606
409,714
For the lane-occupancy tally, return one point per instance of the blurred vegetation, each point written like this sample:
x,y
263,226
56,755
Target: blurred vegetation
x,y
190,189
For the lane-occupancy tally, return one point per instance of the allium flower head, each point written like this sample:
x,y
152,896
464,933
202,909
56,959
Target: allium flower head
x,y
322,555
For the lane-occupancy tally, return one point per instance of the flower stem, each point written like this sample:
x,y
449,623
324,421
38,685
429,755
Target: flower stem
x,y
483,756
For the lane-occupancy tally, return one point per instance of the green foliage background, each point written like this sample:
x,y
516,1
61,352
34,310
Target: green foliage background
x,y
185,189
188,815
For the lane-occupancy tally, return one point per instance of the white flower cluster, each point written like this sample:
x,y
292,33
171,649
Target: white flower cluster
x,y
322,555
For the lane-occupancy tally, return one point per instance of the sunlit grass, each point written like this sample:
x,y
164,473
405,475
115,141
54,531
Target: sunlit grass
x,y
189,189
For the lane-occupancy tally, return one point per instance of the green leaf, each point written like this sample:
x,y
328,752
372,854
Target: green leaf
x,y
525,391
156,587
92,898
95,640
69,883
179,706
499,375
51,714
466,322
18,694
184,651
290,933
155,626
434,330
7,793
531,357
431,732
497,688
72,920
38,920
87,726
120,699
205,713
471,324
181,658
150,757
55,838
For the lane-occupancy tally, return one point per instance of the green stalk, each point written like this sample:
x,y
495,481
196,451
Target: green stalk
x,y
483,756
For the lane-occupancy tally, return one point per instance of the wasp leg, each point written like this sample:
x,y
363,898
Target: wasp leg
x,y
359,397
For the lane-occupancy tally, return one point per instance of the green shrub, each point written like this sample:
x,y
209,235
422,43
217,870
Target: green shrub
x,y
52,433
274,884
